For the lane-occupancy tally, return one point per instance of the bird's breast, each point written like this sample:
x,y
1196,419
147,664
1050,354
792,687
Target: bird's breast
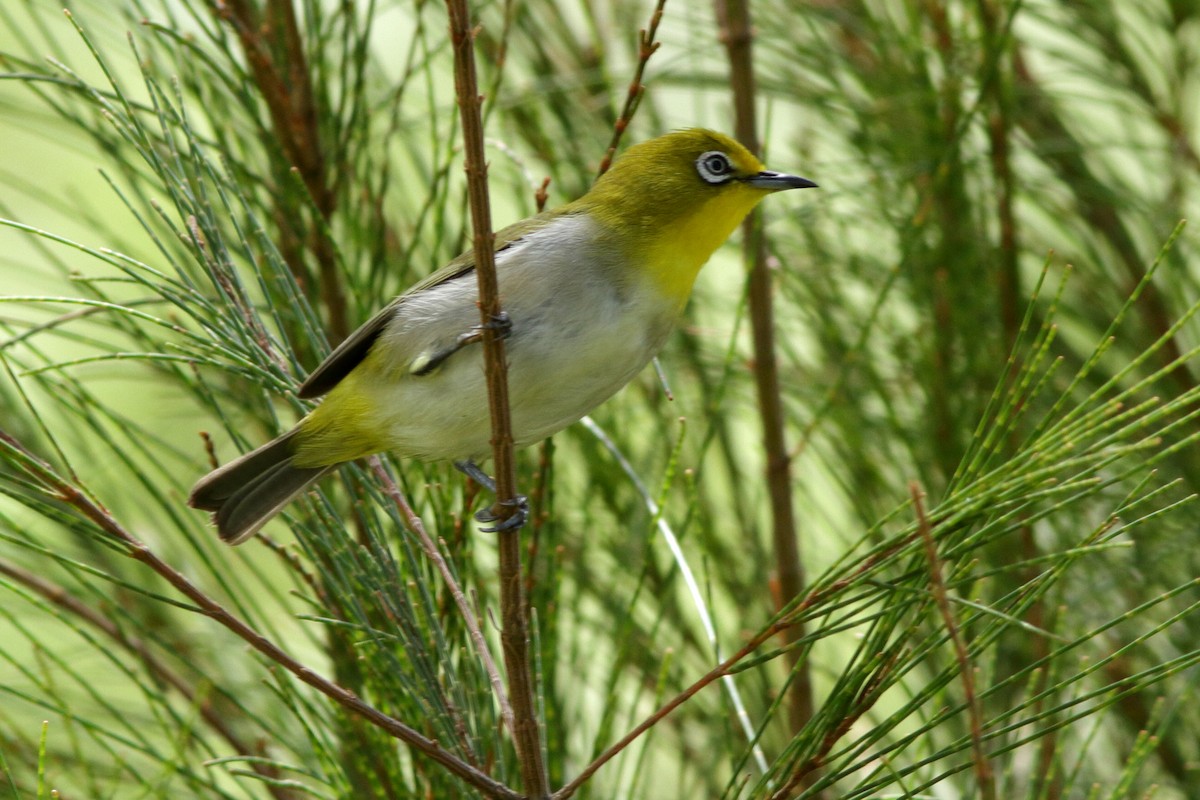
x,y
584,323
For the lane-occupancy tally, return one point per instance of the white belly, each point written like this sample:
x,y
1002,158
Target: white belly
x,y
578,336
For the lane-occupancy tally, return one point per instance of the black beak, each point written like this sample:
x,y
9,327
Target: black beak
x,y
778,181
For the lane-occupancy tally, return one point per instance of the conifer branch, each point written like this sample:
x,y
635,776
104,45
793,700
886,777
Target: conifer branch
x,y
39,471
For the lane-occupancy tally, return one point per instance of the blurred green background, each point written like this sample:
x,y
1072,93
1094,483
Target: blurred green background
x,y
979,302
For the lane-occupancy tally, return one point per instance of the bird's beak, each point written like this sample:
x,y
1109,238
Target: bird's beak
x,y
777,181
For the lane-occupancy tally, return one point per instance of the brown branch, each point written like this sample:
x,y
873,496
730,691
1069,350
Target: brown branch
x,y
274,52
737,35
983,768
73,496
513,634
633,95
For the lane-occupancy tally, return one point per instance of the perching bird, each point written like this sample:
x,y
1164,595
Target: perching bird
x,y
592,290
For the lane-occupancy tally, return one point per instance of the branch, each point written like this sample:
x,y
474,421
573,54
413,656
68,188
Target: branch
x,y
737,36
431,549
291,103
76,498
216,719
513,634
785,620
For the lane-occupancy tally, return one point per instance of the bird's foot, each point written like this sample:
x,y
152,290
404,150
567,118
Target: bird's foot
x,y
472,471
516,519
510,522
500,323
425,363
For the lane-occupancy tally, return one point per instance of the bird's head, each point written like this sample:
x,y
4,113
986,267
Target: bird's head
x,y
672,200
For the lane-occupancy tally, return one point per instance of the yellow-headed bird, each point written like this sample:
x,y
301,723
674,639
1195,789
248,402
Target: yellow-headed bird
x,y
592,290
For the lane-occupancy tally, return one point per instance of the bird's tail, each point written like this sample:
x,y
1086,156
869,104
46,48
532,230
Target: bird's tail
x,y
247,492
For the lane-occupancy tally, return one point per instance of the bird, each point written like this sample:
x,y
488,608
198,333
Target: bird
x,y
590,290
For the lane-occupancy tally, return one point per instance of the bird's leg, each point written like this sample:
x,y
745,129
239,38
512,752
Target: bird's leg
x,y
521,503
427,363
471,470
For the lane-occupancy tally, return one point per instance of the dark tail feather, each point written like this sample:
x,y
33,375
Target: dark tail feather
x,y
247,492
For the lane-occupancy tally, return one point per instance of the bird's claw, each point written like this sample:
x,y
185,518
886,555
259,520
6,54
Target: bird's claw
x,y
500,323
516,519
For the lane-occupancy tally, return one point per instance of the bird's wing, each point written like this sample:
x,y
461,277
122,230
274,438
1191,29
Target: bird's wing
x,y
350,353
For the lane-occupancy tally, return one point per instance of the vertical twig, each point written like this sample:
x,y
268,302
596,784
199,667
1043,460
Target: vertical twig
x,y
275,54
513,635
983,768
633,96
737,37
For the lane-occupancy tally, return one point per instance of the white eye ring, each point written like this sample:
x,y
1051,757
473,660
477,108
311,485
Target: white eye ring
x,y
714,167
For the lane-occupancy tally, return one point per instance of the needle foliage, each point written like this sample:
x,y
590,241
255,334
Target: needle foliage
x,y
985,334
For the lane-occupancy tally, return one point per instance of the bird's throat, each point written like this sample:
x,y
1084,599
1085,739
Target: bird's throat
x,y
683,248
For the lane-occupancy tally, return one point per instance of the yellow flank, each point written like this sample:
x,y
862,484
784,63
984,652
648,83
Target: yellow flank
x,y
344,427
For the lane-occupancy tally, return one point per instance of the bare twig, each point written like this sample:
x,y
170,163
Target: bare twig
x,y
633,96
75,497
983,768
435,555
513,635
737,35
812,599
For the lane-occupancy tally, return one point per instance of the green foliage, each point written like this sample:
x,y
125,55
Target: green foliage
x,y
944,380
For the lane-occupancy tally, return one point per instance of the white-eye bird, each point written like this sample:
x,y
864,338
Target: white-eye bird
x,y
592,290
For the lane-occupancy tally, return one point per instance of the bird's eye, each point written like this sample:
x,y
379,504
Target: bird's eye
x,y
714,167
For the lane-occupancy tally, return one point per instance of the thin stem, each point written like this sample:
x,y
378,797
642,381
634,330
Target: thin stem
x,y
514,633
737,35
460,599
77,498
633,95
217,719
983,768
